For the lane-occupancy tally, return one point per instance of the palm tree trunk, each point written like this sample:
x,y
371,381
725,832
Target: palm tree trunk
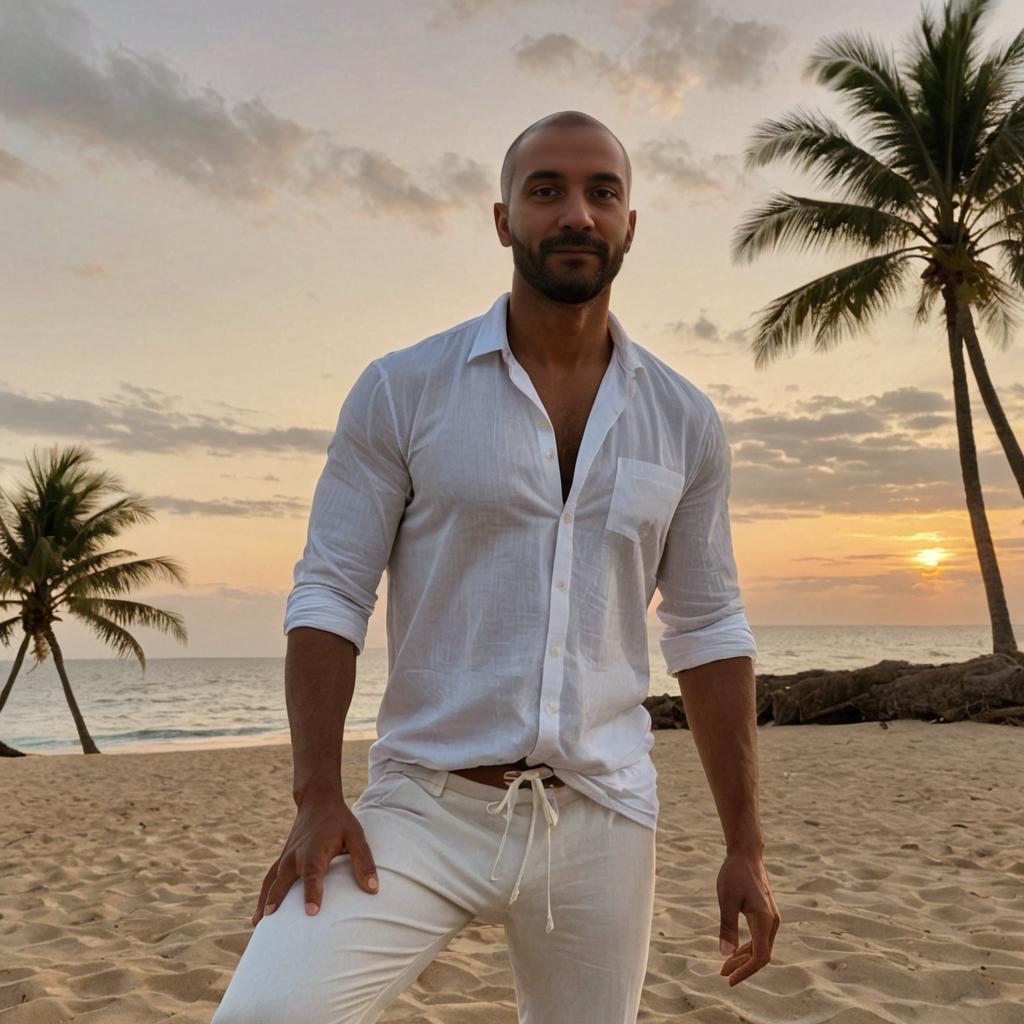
x,y
5,750
988,395
1003,641
15,669
88,746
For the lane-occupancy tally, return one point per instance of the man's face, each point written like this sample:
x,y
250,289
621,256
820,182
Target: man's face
x,y
559,200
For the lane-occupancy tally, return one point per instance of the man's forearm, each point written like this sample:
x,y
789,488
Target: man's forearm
x,y
320,676
719,699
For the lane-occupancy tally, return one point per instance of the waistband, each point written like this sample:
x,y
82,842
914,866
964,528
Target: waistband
x,y
435,781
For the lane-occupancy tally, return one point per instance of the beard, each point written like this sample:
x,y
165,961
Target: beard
x,y
561,278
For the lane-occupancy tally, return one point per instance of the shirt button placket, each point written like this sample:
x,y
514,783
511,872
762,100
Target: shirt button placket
x,y
558,627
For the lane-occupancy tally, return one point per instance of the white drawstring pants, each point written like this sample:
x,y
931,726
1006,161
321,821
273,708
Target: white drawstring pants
x,y
450,851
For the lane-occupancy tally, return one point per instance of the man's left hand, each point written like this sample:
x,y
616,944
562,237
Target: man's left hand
x,y
743,887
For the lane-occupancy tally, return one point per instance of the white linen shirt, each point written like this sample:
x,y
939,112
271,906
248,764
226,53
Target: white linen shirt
x,y
516,623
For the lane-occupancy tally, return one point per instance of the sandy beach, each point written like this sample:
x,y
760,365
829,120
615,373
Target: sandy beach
x,y
896,856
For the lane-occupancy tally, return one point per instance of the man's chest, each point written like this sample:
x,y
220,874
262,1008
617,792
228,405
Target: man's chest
x,y
501,456
568,405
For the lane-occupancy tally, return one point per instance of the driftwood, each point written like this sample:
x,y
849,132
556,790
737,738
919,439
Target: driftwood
x,y
989,688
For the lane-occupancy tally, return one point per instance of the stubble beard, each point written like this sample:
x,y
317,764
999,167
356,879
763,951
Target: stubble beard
x,y
573,285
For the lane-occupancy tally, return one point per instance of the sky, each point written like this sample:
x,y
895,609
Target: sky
x,y
217,213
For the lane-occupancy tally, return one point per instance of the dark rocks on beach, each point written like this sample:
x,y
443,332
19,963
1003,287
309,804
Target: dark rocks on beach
x,y
989,688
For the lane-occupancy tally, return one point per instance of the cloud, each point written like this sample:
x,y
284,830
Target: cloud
x,y
902,580
907,400
816,456
706,330
452,13
682,43
246,508
559,53
672,160
728,395
14,171
863,456
148,420
139,109
241,476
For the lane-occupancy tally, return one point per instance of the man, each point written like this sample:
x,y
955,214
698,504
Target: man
x,y
528,478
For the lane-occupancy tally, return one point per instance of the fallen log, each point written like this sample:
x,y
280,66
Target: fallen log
x,y
988,688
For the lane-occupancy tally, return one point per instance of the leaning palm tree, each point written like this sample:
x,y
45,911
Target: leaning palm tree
x,y
50,561
942,165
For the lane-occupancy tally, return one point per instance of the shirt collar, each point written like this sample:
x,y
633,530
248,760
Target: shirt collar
x,y
492,336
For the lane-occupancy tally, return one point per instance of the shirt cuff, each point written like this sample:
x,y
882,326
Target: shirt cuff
x,y
730,637
322,608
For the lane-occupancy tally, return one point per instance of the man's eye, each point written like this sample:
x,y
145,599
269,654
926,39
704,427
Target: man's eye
x,y
541,188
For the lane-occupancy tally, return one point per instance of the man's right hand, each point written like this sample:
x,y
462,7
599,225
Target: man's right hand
x,y
324,828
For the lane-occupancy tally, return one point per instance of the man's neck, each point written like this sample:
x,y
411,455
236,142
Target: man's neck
x,y
558,338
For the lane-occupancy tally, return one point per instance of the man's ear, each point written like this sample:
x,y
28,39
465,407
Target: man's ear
x,y
631,234
501,223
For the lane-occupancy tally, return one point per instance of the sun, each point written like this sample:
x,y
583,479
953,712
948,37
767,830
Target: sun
x,y
931,557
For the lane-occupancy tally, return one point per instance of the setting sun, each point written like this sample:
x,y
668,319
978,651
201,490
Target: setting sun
x,y
931,557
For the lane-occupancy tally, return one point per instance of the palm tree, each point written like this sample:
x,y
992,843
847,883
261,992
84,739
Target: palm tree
x,y
50,560
944,153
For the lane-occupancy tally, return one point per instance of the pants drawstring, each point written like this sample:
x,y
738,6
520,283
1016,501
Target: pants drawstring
x,y
534,777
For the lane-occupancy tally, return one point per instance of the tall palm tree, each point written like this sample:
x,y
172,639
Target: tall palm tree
x,y
50,561
943,165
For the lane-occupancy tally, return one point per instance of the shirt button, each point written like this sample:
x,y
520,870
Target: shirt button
x,y
552,708
550,453
567,517
561,584
556,650
543,424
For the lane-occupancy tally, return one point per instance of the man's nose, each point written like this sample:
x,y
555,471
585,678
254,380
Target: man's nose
x,y
576,213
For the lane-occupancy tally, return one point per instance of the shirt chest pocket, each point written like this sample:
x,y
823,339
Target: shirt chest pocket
x,y
644,499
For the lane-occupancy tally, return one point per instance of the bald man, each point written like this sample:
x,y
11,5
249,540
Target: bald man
x,y
528,478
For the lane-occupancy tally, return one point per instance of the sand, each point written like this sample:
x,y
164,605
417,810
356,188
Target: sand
x,y
896,856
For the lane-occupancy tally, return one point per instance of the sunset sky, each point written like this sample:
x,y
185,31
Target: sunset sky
x,y
217,213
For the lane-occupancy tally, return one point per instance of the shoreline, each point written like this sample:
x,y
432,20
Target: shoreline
x,y
278,738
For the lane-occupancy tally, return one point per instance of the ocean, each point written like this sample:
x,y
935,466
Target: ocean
x,y
194,702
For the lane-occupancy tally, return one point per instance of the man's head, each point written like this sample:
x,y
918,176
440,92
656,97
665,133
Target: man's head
x,y
565,184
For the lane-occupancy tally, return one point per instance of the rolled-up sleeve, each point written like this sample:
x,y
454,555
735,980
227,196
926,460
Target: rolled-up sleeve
x,y
357,507
701,606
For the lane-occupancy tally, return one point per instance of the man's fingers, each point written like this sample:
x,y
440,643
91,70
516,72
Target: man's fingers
x,y
363,867
741,956
308,855
761,924
286,875
268,879
738,954
314,888
758,949
776,921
